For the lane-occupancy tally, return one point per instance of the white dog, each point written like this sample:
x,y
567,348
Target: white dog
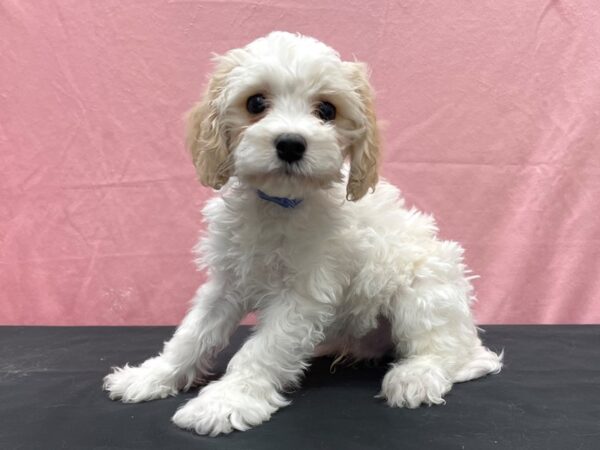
x,y
325,254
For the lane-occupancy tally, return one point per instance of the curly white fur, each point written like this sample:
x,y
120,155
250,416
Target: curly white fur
x,y
350,277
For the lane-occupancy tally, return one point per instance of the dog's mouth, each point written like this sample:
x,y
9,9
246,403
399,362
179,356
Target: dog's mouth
x,y
290,170
297,170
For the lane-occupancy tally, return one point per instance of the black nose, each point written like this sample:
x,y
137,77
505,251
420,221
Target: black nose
x,y
290,147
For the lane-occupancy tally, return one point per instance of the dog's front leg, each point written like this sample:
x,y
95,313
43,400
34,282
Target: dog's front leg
x,y
204,331
271,360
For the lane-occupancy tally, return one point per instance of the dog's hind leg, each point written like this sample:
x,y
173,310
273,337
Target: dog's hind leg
x,y
434,335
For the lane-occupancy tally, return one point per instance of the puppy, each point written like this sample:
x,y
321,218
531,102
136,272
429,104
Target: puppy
x,y
306,235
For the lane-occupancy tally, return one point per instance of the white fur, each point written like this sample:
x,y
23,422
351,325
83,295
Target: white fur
x,y
355,278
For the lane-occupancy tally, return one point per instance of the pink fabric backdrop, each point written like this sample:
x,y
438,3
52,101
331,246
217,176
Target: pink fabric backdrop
x,y
492,124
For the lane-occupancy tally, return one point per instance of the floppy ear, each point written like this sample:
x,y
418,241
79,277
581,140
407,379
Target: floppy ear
x,y
206,137
365,150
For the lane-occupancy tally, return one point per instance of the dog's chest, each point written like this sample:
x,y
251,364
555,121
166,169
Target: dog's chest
x,y
271,252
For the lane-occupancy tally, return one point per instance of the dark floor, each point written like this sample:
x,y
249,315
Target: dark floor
x,y
548,396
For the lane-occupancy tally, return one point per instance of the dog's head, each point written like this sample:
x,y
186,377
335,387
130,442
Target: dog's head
x,y
283,114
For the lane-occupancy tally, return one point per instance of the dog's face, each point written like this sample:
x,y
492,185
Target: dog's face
x,y
282,114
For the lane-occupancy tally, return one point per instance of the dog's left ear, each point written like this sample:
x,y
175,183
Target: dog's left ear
x,y
365,150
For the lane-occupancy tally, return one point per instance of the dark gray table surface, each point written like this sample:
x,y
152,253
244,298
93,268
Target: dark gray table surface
x,y
547,397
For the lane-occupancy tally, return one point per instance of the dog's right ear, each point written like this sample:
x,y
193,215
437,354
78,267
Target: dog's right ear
x,y
206,137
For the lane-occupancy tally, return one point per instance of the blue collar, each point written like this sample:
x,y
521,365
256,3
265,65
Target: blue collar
x,y
281,201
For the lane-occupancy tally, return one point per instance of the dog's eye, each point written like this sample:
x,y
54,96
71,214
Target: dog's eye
x,y
326,111
256,104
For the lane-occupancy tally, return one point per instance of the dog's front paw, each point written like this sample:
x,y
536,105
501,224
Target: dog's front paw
x,y
223,406
154,379
412,383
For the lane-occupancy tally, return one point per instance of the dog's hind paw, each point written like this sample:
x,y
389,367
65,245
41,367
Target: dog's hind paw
x,y
413,383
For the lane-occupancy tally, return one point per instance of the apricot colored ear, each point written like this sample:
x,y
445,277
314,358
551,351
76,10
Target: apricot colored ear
x,y
365,151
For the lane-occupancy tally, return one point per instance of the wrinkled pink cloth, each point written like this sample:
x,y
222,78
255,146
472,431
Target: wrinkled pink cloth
x,y
491,116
